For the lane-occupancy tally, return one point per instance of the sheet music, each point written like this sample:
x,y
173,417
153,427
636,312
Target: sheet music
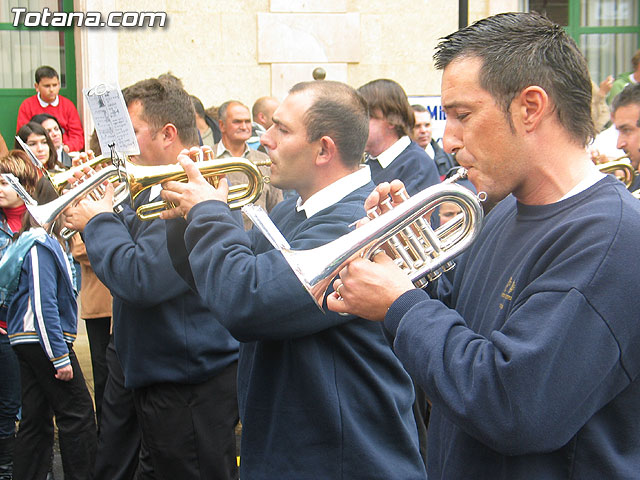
x,y
111,118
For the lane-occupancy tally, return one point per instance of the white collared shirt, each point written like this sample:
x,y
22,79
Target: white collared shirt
x,y
430,151
221,150
44,104
332,194
391,153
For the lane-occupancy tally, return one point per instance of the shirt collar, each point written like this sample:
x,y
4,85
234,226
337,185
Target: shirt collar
x,y
390,154
335,192
44,104
223,151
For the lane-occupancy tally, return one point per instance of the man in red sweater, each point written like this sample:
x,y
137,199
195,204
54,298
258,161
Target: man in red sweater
x,y
47,100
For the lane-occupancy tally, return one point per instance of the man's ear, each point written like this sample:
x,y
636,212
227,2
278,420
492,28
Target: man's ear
x,y
169,133
328,151
532,106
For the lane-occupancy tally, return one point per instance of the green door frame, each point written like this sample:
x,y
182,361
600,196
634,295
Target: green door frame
x,y
11,98
575,30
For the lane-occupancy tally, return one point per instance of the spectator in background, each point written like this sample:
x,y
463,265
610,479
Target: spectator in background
x,y
37,284
600,112
422,135
261,112
626,78
207,126
39,142
235,125
625,114
53,128
48,100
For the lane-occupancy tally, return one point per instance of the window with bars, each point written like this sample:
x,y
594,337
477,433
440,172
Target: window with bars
x,y
607,31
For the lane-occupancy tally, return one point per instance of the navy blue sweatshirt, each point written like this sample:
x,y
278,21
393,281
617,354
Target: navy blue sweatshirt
x,y
533,373
413,166
321,395
163,332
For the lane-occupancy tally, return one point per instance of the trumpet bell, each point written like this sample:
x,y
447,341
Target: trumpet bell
x,y
316,268
621,168
45,215
60,181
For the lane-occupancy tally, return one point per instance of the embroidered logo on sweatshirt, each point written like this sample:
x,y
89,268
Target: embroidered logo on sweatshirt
x,y
507,292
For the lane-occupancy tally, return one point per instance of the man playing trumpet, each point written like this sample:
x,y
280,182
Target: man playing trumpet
x,y
530,358
176,357
321,395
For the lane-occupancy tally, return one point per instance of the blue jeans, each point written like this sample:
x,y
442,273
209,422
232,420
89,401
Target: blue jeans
x,y
9,388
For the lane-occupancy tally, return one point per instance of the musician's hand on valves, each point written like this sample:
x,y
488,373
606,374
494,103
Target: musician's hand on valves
x,y
368,288
78,215
186,195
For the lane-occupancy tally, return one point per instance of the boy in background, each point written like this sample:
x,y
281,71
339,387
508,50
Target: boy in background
x,y
48,100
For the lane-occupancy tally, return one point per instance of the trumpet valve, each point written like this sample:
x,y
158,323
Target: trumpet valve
x,y
448,266
434,275
207,152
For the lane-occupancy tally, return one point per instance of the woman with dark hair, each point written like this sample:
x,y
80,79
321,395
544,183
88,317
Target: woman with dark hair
x,y
37,287
53,128
38,140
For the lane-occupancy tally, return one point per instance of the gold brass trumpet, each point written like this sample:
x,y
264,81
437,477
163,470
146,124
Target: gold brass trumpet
x,y
141,178
405,228
621,169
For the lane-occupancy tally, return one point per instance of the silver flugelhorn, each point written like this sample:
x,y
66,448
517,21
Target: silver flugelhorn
x,y
421,251
45,215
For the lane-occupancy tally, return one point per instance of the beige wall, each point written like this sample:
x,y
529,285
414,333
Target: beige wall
x,y
243,49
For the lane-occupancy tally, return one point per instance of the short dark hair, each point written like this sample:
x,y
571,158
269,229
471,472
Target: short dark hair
x,y
421,109
523,49
630,95
165,102
389,98
41,117
338,111
45,71
35,128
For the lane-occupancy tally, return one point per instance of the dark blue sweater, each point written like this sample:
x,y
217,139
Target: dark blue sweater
x,y
413,166
163,332
534,372
321,395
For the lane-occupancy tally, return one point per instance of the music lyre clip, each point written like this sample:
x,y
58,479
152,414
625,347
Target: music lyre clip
x,y
38,164
20,190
